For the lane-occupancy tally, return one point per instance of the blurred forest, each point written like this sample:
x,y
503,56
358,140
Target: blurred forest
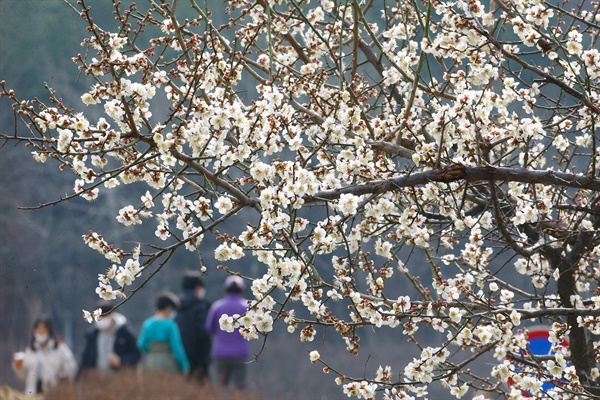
x,y
47,270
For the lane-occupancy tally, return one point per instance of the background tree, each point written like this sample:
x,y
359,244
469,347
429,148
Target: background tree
x,y
382,165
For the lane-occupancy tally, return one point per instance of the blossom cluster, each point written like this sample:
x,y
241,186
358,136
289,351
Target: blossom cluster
x,y
396,168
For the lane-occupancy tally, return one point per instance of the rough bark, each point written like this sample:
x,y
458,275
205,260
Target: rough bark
x,y
456,172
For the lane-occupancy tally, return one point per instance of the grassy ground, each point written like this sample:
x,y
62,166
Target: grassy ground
x,y
133,385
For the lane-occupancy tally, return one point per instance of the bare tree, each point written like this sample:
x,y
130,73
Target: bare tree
x,y
361,136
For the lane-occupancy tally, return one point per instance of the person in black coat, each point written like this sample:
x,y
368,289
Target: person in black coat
x,y
190,318
111,345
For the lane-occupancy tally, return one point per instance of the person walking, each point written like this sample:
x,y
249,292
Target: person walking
x,y
110,345
230,350
160,339
191,319
46,361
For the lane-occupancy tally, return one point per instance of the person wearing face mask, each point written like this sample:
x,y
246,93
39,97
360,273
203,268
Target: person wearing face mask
x,y
110,345
46,361
191,317
160,339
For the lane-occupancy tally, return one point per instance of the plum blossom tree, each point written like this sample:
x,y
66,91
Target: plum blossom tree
x,y
359,134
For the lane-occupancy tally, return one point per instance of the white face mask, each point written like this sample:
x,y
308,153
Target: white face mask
x,y
105,324
200,293
173,315
41,338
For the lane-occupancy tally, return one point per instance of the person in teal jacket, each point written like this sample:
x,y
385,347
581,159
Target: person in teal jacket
x,y
160,339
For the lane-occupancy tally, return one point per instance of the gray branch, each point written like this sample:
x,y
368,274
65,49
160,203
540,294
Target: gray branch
x,y
456,172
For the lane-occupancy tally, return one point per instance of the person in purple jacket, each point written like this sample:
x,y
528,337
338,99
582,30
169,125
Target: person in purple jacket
x,y
229,350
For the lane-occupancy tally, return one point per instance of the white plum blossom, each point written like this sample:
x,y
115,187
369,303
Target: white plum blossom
x,y
224,205
455,314
93,316
228,252
129,216
348,204
227,323
314,356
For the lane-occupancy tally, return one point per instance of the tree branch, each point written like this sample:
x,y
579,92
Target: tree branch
x,y
456,172
547,77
